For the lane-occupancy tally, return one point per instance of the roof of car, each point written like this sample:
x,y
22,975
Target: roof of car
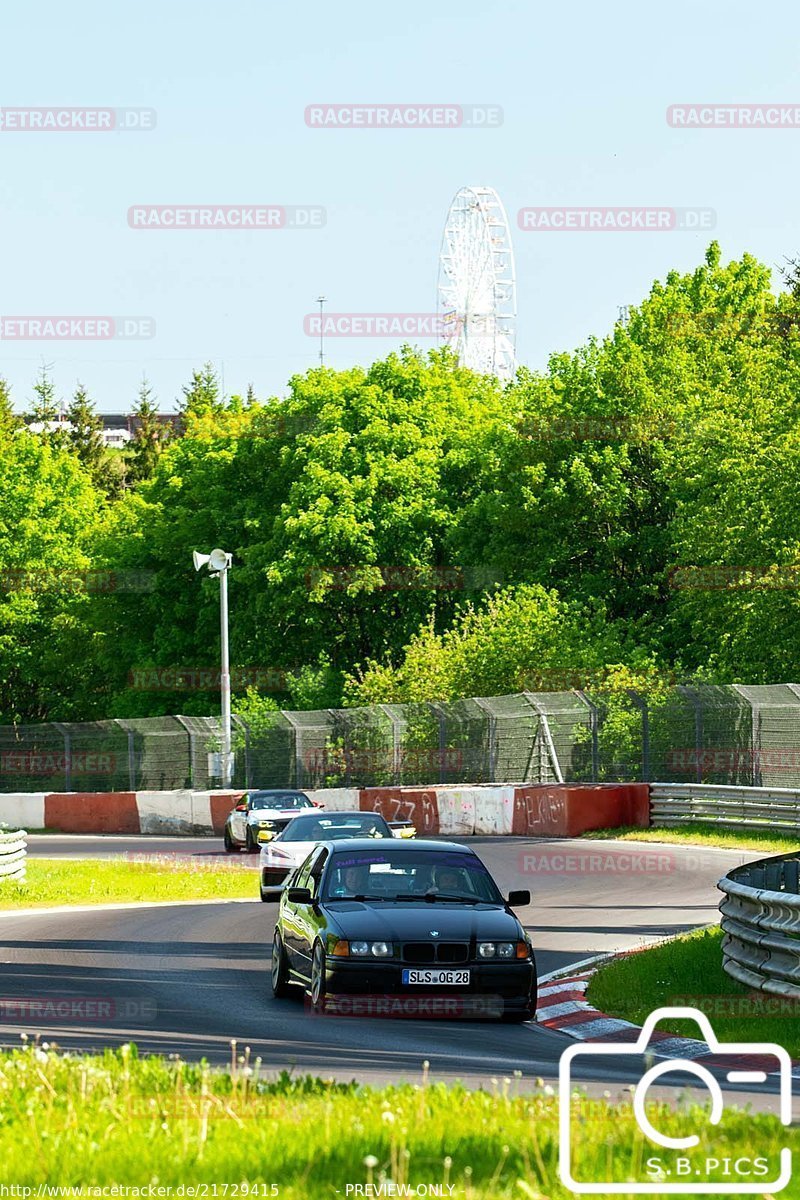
x,y
323,814
402,845
287,791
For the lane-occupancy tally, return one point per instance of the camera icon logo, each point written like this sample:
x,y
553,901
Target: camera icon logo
x,y
683,1174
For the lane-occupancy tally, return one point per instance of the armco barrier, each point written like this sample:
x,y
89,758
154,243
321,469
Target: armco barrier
x,y
760,920
12,855
545,810
674,804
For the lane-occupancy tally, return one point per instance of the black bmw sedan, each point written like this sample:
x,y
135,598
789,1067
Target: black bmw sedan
x,y
406,920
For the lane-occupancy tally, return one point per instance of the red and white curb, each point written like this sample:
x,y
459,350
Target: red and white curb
x,y
563,1007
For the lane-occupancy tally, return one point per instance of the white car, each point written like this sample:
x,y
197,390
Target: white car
x,y
282,853
269,810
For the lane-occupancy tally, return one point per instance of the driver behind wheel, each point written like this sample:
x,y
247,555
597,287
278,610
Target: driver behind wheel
x,y
352,882
450,880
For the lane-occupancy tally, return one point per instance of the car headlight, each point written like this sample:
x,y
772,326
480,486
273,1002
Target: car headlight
x,y
371,949
497,949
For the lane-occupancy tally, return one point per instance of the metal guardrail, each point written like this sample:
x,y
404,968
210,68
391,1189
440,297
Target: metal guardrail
x,y
761,923
675,804
13,855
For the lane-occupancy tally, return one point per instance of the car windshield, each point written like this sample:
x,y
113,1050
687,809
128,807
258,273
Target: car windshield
x,y
335,827
279,800
421,875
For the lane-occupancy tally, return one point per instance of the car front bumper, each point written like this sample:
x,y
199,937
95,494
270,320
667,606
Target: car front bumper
x,y
511,984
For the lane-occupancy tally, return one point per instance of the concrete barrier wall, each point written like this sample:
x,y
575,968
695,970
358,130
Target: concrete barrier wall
x,y
562,810
22,810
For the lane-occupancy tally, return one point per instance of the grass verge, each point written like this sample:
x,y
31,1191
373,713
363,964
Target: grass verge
x,y
688,971
86,1122
53,881
702,834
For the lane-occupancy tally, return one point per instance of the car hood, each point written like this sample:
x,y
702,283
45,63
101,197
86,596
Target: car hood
x,y
411,921
270,814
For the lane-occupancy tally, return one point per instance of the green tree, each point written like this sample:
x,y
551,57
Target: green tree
x,y
9,420
203,394
149,435
373,514
85,430
337,505
49,513
520,639
46,409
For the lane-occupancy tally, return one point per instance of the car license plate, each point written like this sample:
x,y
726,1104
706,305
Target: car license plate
x,y
444,977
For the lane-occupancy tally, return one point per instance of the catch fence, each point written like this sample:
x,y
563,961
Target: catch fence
x,y
692,733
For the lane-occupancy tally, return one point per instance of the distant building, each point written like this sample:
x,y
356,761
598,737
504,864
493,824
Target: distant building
x,y
49,426
118,428
117,439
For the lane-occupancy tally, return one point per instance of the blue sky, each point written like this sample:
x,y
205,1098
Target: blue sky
x,y
584,89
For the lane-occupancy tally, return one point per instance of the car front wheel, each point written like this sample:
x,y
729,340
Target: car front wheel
x,y
280,972
318,981
250,843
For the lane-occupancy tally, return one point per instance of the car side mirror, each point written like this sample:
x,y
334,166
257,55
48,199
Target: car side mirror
x,y
518,899
241,808
296,895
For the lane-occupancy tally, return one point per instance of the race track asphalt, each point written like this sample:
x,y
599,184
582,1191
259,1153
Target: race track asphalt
x,y
187,979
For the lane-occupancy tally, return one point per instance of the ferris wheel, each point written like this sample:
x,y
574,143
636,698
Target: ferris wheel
x,y
477,303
